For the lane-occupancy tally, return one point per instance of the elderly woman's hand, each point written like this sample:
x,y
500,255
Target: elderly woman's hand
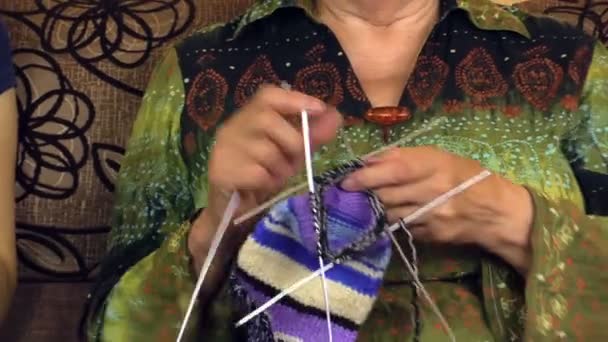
x,y
494,214
256,151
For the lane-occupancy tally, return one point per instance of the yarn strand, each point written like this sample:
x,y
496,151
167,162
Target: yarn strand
x,y
415,294
421,288
438,201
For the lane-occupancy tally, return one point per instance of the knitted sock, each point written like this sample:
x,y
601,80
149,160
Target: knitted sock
x,y
283,249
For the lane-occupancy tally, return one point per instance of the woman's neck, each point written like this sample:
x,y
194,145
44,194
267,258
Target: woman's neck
x,y
379,14
382,39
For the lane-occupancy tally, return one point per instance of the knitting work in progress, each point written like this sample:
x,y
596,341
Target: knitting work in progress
x,y
356,245
283,249
318,255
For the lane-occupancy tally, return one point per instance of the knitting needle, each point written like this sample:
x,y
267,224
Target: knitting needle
x,y
257,210
438,201
421,288
311,189
233,205
284,293
443,198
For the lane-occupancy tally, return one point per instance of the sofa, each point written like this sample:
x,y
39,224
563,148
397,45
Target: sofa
x,y
82,67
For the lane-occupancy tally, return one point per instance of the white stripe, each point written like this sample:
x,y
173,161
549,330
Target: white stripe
x,y
286,338
364,269
280,272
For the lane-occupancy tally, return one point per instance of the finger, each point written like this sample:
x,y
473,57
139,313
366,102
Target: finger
x,y
269,155
386,173
246,175
283,134
415,193
257,177
398,195
287,102
324,128
395,214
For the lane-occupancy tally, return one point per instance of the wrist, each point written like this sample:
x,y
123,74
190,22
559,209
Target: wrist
x,y
199,239
201,236
509,237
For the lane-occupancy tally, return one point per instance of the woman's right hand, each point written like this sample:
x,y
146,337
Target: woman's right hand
x,y
257,150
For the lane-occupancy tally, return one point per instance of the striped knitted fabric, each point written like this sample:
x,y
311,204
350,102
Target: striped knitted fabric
x,y
283,250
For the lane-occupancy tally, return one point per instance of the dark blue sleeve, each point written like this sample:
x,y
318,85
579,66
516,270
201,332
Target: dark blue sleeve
x,y
7,73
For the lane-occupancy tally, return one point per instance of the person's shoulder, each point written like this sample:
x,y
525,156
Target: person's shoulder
x,y
257,22
5,46
7,75
4,43
584,55
212,36
543,26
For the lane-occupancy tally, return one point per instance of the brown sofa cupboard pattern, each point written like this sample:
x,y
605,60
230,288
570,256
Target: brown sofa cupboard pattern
x,y
82,66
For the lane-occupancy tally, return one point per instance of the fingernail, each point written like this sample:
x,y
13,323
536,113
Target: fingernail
x,y
315,106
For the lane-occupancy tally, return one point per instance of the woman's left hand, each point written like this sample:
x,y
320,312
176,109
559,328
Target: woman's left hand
x,y
495,214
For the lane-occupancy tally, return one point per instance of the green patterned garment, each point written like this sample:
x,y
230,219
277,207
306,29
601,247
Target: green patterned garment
x,y
526,96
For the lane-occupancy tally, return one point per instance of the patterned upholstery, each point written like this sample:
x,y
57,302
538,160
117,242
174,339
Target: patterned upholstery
x,y
82,68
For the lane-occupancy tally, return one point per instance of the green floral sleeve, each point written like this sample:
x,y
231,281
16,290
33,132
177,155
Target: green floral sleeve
x,y
150,299
154,201
567,292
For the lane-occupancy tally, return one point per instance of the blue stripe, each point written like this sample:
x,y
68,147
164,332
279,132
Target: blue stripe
x,y
296,252
287,219
340,216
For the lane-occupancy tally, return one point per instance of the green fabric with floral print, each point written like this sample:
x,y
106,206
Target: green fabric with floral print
x,y
564,297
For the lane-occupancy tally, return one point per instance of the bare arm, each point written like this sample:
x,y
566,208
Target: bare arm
x,y
8,146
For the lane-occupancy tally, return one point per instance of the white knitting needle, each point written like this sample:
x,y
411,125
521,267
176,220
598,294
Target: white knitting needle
x,y
311,189
440,200
257,210
233,205
284,293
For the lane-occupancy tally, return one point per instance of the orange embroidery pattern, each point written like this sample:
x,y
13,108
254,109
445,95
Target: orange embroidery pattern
x,y
352,85
316,53
259,73
512,111
453,106
205,59
205,101
427,81
570,102
538,80
478,76
322,81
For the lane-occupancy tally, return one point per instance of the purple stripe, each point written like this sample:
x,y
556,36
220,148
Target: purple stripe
x,y
291,322
347,276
